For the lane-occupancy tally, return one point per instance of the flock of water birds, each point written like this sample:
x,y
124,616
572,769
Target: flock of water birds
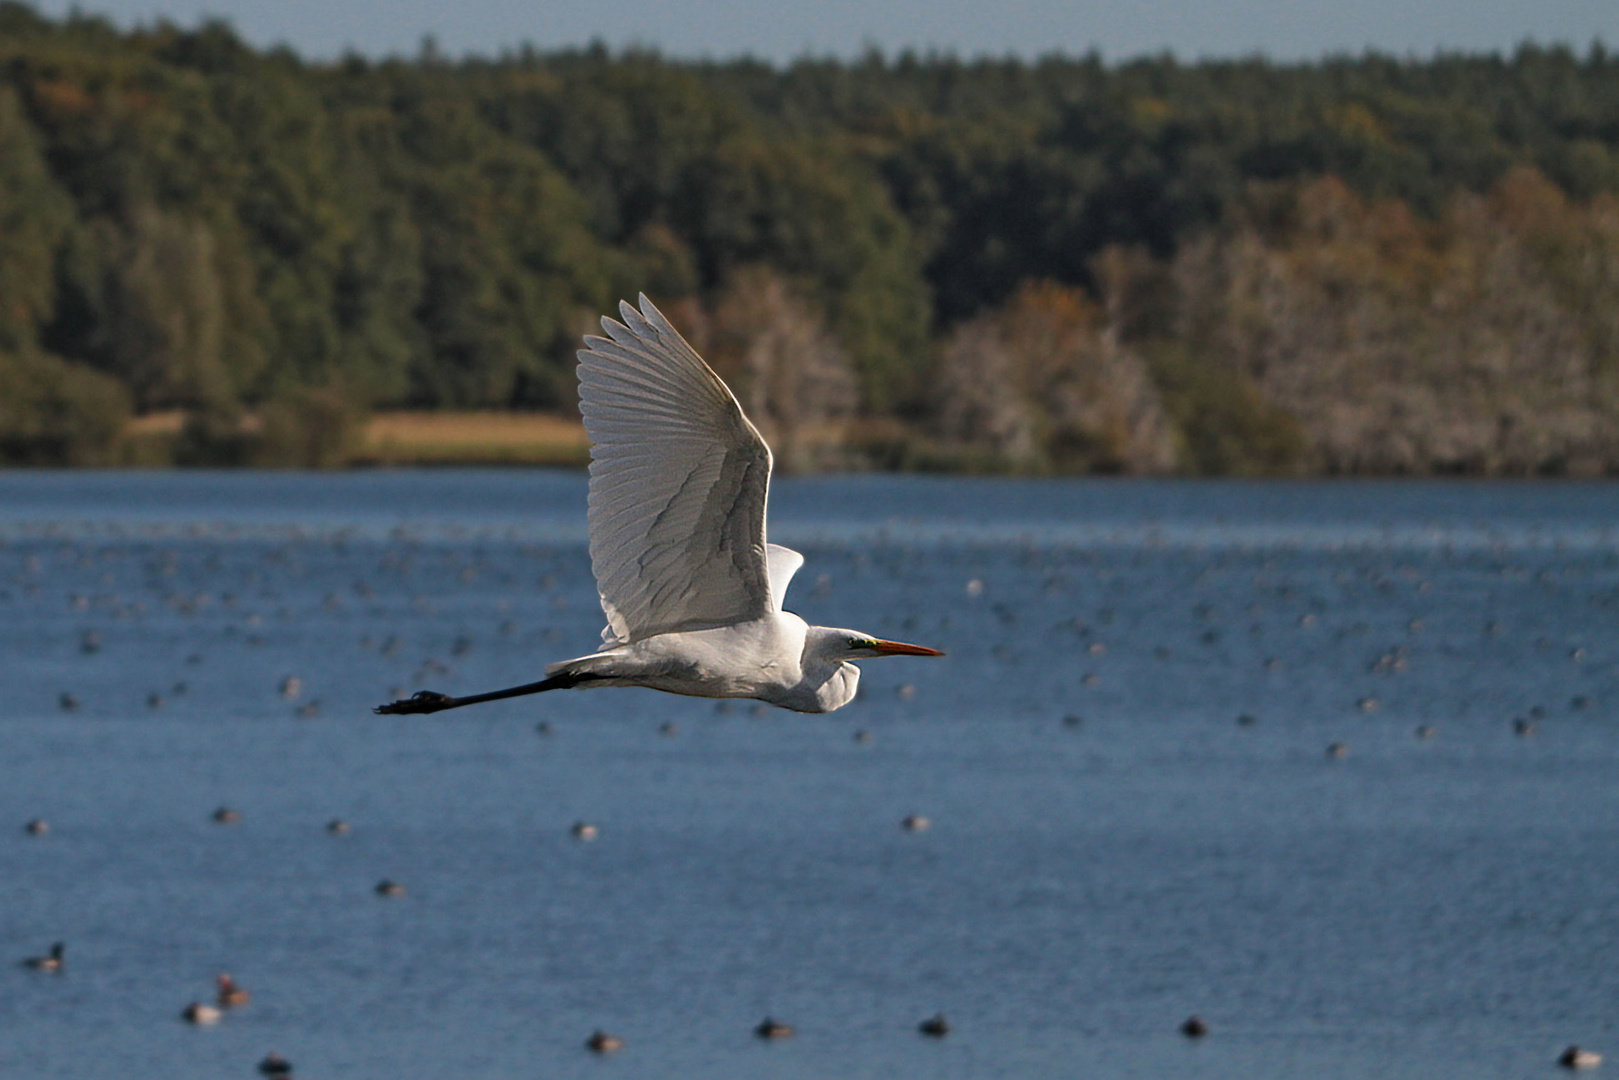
x,y
694,601
293,692
229,995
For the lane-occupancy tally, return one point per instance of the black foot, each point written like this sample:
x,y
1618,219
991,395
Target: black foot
x,y
422,701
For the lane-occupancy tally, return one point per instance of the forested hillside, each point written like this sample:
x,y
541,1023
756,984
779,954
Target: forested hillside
x,y
1363,265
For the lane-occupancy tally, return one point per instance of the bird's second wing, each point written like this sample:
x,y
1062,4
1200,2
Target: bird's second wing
x,y
678,481
784,563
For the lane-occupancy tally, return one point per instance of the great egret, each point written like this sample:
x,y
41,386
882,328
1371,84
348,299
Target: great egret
x,y
691,590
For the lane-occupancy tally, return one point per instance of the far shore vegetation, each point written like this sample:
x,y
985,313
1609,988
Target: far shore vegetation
x,y
391,438
216,255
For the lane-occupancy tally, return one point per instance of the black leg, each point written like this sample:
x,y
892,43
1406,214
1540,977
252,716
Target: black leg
x,y
423,701
428,701
433,701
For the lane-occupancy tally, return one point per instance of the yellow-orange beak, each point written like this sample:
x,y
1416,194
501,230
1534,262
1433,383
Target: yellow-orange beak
x,y
899,648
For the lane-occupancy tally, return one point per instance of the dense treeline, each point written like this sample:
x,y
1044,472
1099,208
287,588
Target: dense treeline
x,y
1360,265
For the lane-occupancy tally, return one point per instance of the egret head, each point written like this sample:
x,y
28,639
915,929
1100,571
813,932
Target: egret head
x,y
853,645
828,672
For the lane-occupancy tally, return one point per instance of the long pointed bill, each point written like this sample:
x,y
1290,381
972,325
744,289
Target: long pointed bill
x,y
899,648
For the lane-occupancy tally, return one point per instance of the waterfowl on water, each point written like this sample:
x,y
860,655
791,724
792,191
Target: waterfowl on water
x,y
226,816
770,1028
389,887
1576,1058
51,961
199,1014
37,827
935,1026
601,1042
1194,1027
230,995
275,1065
583,830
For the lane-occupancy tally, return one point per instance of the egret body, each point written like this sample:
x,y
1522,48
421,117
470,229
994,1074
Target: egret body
x,y
691,589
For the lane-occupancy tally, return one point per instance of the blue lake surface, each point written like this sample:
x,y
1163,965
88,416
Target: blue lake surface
x,y
1111,850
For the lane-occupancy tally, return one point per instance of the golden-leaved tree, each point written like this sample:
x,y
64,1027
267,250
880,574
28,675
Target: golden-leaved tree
x,y
1043,383
792,374
1485,342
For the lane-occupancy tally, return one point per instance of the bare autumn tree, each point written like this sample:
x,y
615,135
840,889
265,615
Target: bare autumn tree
x,y
1045,383
1482,343
981,398
791,374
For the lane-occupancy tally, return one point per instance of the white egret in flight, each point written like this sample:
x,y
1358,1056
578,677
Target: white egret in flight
x,y
692,592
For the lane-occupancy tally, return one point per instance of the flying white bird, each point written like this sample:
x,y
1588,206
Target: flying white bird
x,y
692,592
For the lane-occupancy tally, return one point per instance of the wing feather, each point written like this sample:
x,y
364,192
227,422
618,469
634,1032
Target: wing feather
x,y
678,484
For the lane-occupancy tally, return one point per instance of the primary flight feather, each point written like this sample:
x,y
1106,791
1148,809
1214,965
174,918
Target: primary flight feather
x,y
691,589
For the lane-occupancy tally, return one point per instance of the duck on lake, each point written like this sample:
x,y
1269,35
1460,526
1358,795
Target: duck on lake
x,y
200,1014
51,961
601,1042
275,1065
230,996
1576,1057
771,1028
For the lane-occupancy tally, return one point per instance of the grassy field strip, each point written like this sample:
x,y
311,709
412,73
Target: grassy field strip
x,y
404,438
474,438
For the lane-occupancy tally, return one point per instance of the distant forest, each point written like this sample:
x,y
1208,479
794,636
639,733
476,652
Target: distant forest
x,y
1364,265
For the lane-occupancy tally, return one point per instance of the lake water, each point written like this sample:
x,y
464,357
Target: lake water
x,y
1425,908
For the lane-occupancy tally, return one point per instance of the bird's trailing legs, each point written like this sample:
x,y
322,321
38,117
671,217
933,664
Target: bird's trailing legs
x,y
430,701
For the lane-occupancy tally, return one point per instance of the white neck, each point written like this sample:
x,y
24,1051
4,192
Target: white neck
x,y
828,675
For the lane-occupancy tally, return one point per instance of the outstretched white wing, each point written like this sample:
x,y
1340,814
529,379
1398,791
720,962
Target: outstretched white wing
x,y
678,480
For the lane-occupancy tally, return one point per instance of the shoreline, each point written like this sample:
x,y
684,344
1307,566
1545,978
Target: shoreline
x,y
491,439
401,438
